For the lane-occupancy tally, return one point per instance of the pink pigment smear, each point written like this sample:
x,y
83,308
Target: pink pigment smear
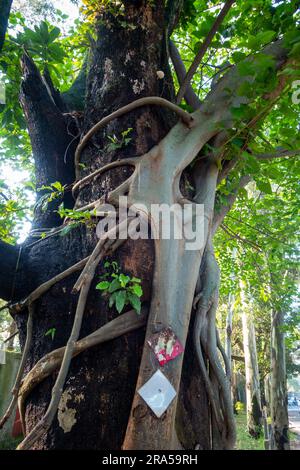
x,y
166,346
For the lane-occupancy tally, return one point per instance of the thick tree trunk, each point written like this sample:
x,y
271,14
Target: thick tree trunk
x,y
99,390
253,397
279,411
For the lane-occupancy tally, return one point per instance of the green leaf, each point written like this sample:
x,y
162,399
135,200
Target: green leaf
x,y
135,302
115,266
112,299
51,332
246,68
264,37
54,33
251,162
57,185
238,142
115,285
68,228
238,57
121,296
137,290
103,285
123,280
43,31
264,187
239,112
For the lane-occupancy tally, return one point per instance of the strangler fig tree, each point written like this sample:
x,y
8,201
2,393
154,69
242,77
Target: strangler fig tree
x,y
80,390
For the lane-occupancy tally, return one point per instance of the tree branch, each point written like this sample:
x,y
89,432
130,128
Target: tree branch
x,y
279,153
197,60
5,6
53,92
43,288
219,99
232,234
173,11
9,259
50,137
75,96
190,96
238,358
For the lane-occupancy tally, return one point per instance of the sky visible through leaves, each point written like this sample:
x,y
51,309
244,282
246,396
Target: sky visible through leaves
x,y
15,176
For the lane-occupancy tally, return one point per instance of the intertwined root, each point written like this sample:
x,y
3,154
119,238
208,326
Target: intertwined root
x,y
155,180
207,344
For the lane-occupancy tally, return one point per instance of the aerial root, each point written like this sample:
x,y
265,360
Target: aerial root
x,y
47,419
83,286
151,100
106,244
43,288
208,385
207,343
216,382
126,323
84,181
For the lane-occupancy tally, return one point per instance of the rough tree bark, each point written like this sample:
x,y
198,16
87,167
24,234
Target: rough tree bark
x,y
253,397
9,260
278,398
99,407
5,6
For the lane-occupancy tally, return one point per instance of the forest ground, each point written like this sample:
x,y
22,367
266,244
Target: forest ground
x,y
244,441
294,422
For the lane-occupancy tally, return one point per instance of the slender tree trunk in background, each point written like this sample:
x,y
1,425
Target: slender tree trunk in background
x,y
253,397
231,301
267,389
228,337
11,330
228,349
279,410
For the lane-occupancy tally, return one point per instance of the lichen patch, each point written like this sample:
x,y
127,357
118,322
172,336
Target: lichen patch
x,y
66,414
138,87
